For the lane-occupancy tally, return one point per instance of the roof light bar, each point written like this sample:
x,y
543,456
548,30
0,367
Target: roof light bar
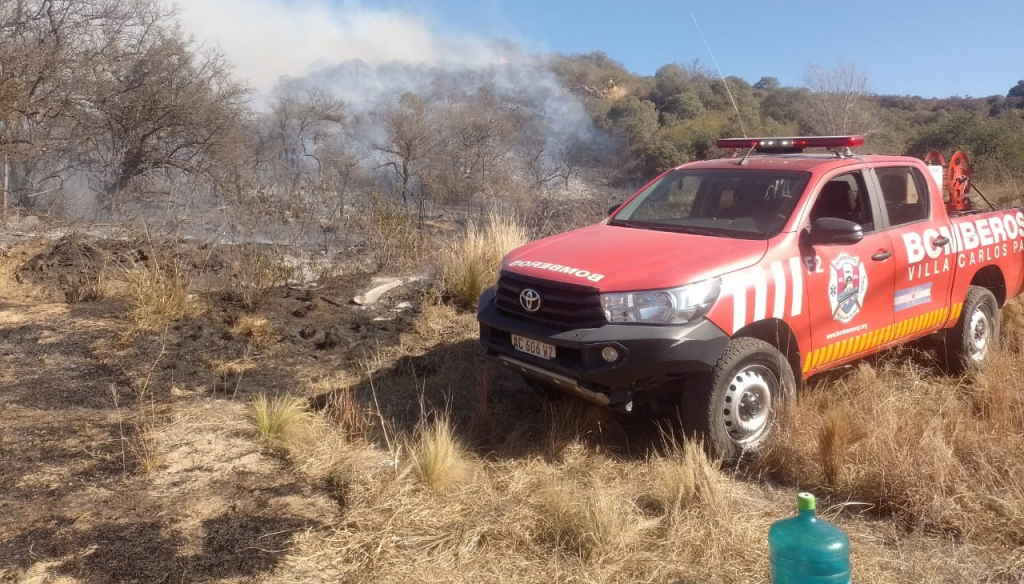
x,y
793,143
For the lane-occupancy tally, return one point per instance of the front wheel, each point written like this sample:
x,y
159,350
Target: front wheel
x,y
976,332
733,407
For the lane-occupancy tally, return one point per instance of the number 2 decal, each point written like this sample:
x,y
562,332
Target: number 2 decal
x,y
813,264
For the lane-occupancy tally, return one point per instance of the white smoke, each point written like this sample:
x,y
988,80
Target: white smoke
x,y
364,54
268,39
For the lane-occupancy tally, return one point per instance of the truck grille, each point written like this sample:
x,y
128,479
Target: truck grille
x,y
562,306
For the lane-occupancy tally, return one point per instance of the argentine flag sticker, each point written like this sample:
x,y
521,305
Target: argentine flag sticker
x,y
911,297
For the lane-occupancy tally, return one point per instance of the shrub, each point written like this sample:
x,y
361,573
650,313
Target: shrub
x,y
255,274
159,293
392,235
86,280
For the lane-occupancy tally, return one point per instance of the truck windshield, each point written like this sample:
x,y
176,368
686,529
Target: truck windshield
x,y
750,204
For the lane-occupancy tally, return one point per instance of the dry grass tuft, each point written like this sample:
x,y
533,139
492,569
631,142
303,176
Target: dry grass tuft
x,y
319,451
280,416
996,391
469,265
159,294
231,372
837,434
351,418
142,448
573,422
586,520
1012,317
686,477
438,457
254,328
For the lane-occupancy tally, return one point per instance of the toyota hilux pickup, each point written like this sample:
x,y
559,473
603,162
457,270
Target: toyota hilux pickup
x,y
722,285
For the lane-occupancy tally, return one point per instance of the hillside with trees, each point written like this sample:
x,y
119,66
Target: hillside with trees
x,y
108,109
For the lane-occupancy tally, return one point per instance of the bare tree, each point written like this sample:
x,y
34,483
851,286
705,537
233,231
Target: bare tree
x,y
572,155
304,124
535,153
49,48
160,105
838,101
408,139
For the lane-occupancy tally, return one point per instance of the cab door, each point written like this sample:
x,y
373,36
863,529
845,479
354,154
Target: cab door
x,y
923,247
849,285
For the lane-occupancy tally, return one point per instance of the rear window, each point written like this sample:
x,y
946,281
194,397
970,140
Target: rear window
x,y
904,193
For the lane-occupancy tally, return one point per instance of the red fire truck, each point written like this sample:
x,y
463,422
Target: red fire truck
x,y
722,285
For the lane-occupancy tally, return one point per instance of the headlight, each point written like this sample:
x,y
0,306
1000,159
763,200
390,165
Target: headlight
x,y
677,305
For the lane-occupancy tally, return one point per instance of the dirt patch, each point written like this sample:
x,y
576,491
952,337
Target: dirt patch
x,y
216,506
113,434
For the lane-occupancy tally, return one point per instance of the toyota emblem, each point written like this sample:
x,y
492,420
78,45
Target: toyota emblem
x,y
529,299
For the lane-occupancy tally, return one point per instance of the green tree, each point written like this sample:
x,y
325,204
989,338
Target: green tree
x,y
669,80
683,106
633,120
658,156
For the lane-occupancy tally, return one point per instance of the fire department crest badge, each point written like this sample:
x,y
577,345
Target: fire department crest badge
x,y
848,283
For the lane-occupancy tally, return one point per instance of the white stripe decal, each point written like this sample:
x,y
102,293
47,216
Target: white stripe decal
x,y
797,271
760,293
739,303
780,289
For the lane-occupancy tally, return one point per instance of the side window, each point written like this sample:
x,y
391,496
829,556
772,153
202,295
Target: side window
x,y
904,193
845,197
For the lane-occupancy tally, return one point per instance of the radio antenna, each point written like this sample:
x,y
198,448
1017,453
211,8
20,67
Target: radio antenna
x,y
715,61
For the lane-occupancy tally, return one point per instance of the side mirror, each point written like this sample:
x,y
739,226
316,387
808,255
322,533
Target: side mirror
x,y
613,208
832,231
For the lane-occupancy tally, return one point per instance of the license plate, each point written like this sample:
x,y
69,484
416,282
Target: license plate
x,y
532,347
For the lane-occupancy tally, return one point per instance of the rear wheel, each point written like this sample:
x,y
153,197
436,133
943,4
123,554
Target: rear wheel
x,y
733,407
976,332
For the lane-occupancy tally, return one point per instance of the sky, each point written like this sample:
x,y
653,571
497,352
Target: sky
x,y
938,48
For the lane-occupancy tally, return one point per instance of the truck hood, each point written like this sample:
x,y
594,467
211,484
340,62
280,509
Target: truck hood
x,y
620,259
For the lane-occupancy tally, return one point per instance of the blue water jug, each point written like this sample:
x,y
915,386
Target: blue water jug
x,y
808,550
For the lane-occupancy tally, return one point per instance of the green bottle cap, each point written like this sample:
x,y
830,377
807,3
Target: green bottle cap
x,y
805,502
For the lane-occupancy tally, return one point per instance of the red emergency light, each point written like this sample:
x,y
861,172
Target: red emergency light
x,y
794,144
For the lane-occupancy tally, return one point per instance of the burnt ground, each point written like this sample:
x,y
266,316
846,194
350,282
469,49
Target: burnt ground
x,y
126,454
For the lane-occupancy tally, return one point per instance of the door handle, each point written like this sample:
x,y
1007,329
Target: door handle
x,y
940,241
881,256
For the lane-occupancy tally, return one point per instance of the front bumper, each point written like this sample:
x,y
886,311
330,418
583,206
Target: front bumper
x,y
648,354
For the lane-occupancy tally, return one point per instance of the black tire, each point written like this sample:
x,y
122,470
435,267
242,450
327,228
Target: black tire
x,y
976,332
733,407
